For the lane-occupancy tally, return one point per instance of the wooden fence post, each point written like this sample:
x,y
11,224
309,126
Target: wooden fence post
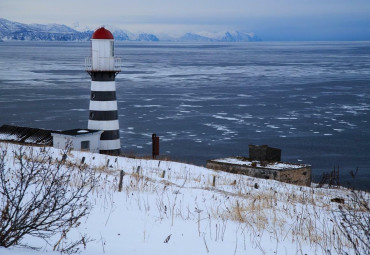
x,y
121,174
64,157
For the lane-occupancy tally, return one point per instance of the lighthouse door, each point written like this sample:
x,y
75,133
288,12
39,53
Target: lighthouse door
x,y
112,48
101,63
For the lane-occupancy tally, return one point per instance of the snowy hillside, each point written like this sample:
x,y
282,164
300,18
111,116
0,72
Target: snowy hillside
x,y
173,208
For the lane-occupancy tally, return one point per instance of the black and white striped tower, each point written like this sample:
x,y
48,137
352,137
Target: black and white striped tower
x,y
103,68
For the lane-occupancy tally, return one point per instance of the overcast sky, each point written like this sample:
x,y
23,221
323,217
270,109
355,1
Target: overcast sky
x,y
270,19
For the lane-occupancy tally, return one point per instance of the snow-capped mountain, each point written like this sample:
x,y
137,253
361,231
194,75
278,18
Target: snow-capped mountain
x,y
191,37
10,30
124,35
81,27
237,36
147,37
228,36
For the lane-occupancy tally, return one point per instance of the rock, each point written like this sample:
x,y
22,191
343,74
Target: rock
x,y
337,200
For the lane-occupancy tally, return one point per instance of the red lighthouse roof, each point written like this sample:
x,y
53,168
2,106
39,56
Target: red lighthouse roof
x,y
102,33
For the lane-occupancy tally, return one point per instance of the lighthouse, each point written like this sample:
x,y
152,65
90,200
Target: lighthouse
x,y
103,67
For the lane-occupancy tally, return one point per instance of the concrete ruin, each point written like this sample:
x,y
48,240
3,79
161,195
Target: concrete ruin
x,y
262,163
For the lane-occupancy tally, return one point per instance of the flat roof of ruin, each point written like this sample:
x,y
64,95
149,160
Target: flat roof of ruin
x,y
268,165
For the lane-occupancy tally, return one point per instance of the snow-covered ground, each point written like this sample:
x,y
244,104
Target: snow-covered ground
x,y
173,208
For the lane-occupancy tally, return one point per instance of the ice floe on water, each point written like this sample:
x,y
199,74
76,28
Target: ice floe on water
x,y
347,123
79,110
190,106
224,129
225,118
244,116
147,106
244,95
272,126
338,129
286,118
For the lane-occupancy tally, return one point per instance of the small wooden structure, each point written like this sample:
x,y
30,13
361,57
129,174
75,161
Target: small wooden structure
x,y
26,135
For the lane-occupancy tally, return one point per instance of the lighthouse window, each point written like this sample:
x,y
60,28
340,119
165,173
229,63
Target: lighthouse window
x,y
85,145
112,49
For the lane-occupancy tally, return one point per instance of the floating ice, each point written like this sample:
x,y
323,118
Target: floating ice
x,y
338,129
79,110
147,106
224,118
272,126
244,95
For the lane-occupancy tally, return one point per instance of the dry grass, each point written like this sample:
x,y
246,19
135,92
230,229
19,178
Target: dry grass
x,y
282,211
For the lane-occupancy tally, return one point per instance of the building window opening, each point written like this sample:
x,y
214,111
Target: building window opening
x,y
85,145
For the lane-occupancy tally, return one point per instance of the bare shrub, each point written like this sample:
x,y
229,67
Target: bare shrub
x,y
353,220
41,196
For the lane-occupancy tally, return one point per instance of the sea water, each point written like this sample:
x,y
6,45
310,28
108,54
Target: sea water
x,y
207,100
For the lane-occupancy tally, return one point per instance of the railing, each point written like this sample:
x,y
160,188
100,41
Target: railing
x,y
115,67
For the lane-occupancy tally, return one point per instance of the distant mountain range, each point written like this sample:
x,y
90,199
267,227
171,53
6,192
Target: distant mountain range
x,y
234,36
10,30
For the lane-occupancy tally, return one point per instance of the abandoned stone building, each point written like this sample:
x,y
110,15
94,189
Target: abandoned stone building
x,y
264,162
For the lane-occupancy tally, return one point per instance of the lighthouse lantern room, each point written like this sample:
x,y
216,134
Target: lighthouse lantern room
x,y
103,68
